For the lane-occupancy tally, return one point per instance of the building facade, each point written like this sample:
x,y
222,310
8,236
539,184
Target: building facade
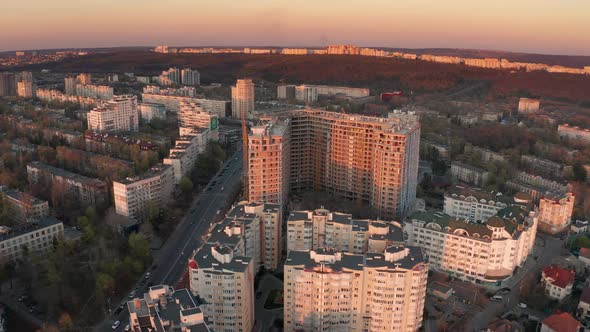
x,y
558,282
135,197
469,174
38,237
268,162
149,111
24,207
173,103
329,290
118,114
555,212
190,77
183,156
26,89
528,105
194,115
476,252
474,204
242,98
575,134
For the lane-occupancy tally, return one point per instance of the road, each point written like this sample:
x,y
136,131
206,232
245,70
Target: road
x,y
171,260
547,248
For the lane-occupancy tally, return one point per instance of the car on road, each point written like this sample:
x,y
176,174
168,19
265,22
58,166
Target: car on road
x,y
504,291
132,294
119,309
148,275
523,305
218,211
222,188
496,298
127,327
116,325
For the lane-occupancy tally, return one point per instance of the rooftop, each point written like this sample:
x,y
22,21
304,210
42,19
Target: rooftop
x,y
9,233
66,174
562,322
491,197
23,198
155,170
559,276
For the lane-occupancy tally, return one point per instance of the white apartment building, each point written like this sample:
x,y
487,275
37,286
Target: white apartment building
x,y
71,82
555,212
183,155
469,174
134,196
37,236
325,290
306,93
23,207
173,103
164,309
170,76
25,89
474,204
295,51
101,92
194,115
242,98
118,114
190,77
476,252
149,111
558,281
320,228
268,162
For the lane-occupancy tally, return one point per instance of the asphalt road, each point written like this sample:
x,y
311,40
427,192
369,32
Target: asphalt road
x,y
171,259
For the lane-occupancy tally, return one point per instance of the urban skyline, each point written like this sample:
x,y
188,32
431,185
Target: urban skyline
x,y
547,28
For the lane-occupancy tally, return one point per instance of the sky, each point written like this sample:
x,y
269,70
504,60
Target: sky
x,y
533,26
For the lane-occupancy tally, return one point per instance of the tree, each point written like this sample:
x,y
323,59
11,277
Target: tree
x,y
139,247
65,322
580,173
186,186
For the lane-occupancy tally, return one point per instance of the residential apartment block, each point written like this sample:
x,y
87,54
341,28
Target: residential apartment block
x,y
149,111
242,98
555,212
329,290
371,159
25,89
37,236
320,228
528,105
469,174
118,114
183,155
576,134
24,207
309,93
268,162
194,115
72,186
536,186
190,77
71,82
102,92
474,204
135,196
164,309
476,252
172,103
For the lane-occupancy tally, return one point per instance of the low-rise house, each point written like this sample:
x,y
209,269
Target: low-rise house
x,y
583,311
585,256
579,226
558,281
562,322
440,290
469,174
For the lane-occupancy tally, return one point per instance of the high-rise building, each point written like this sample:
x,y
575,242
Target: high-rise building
x,y
478,252
118,114
164,309
84,79
184,154
268,162
555,212
102,92
329,290
136,196
7,84
26,89
170,76
70,85
306,93
370,159
190,77
242,98
312,230
528,105
194,115
172,103
149,111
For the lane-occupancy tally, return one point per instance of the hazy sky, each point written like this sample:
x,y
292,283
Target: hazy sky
x,y
542,26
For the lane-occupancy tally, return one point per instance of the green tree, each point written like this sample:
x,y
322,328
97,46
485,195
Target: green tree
x,y
139,247
580,173
186,186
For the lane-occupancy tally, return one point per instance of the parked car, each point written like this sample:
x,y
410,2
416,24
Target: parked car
x,y
127,327
148,275
115,325
496,298
119,309
132,294
523,305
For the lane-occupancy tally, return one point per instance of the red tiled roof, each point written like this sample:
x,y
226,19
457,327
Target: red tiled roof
x,y
560,277
192,264
562,322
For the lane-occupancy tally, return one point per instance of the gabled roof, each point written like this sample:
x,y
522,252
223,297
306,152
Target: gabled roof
x,y
558,276
562,322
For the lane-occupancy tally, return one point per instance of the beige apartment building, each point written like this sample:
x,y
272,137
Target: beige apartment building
x,y
242,98
25,89
24,207
183,156
192,114
118,114
268,162
575,134
102,92
326,290
164,309
528,105
474,204
555,212
134,196
476,252
173,103
148,111
370,159
320,228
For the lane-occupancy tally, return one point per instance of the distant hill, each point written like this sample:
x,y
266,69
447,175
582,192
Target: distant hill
x,y
376,73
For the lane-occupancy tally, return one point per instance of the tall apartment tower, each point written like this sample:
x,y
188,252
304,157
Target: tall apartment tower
x,y
368,159
268,162
242,98
335,291
118,114
190,77
555,212
26,89
7,84
70,85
